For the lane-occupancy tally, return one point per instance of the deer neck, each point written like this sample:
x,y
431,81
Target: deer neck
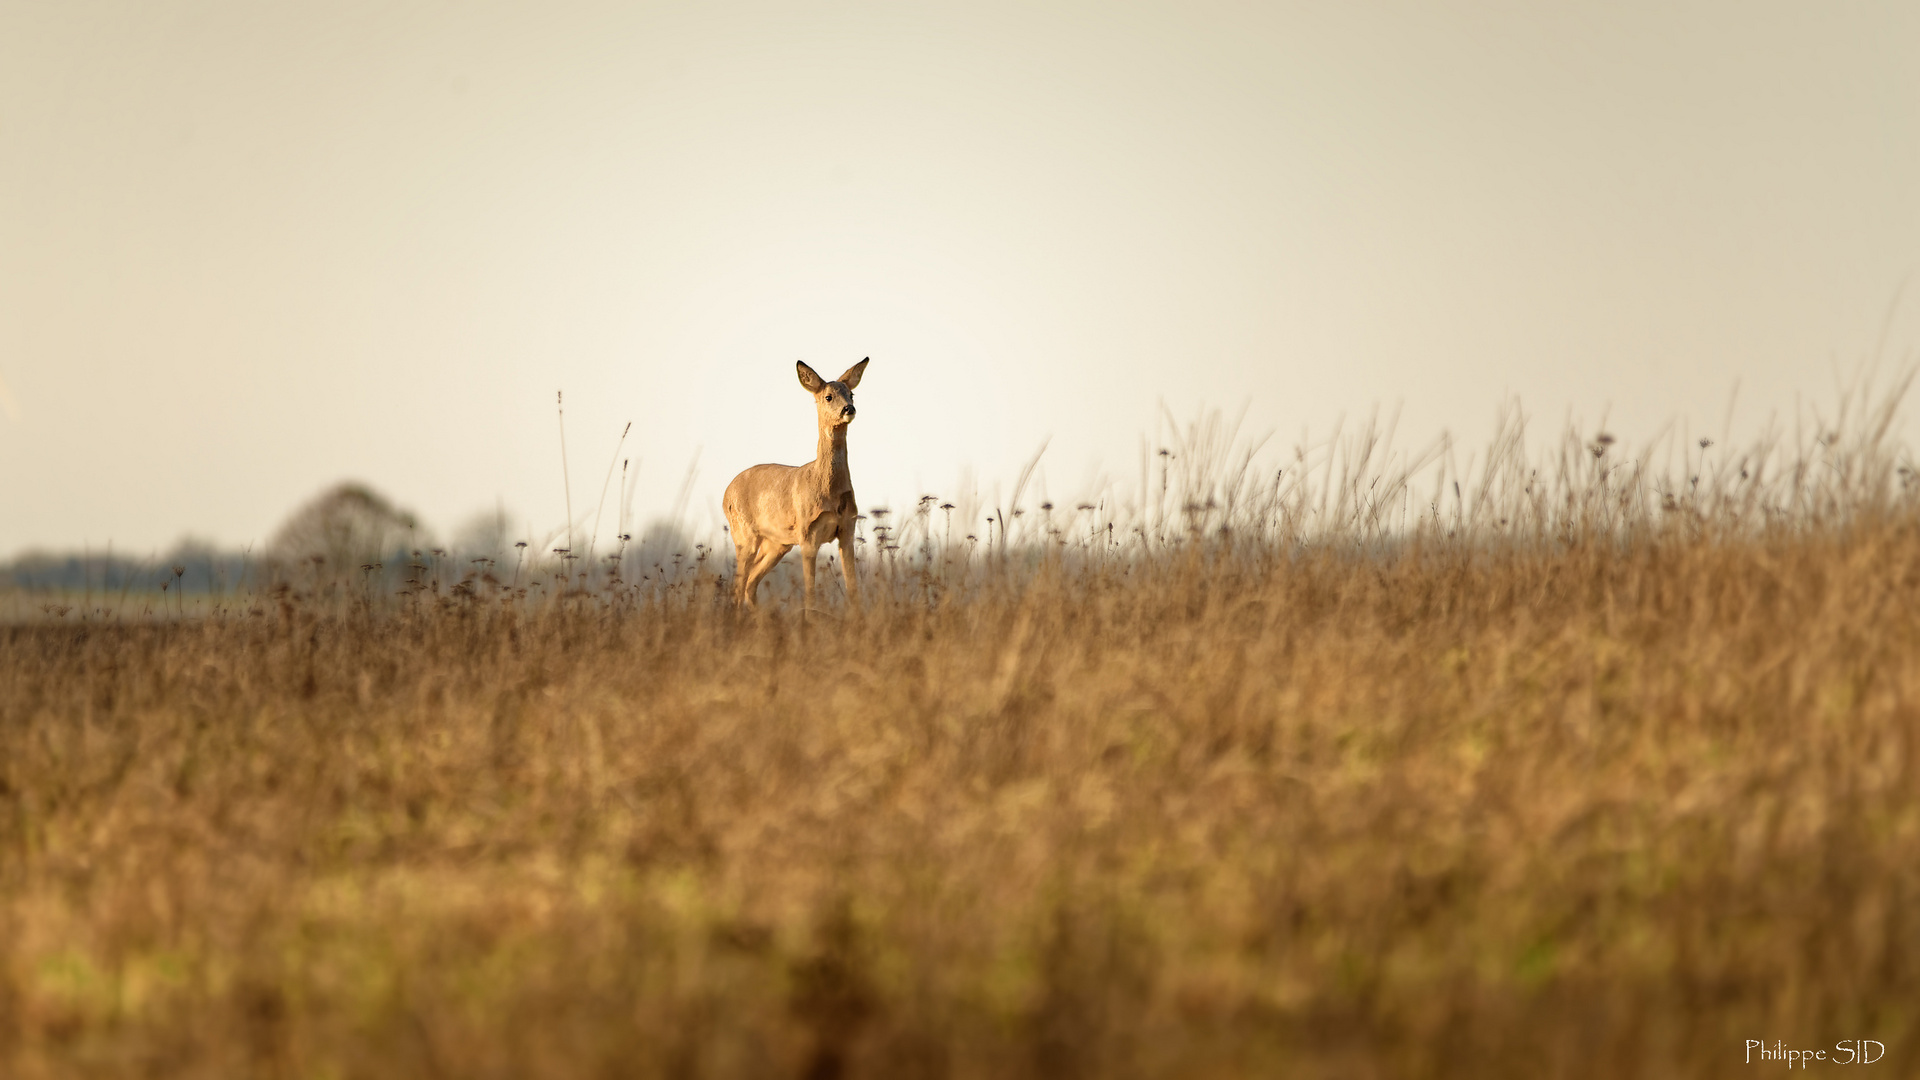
x,y
830,461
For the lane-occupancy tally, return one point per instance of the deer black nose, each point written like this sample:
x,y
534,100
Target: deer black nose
x,y
847,412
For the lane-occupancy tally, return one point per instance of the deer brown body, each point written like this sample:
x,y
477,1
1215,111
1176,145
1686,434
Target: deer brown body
x,y
773,508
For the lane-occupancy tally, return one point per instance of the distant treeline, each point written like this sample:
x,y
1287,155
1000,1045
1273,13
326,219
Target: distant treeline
x,y
337,538
196,571
664,551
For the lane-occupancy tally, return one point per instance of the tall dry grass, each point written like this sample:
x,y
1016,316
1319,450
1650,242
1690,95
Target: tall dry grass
x,y
1588,769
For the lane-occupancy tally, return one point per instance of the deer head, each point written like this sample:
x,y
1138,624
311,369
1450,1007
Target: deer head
x,y
833,400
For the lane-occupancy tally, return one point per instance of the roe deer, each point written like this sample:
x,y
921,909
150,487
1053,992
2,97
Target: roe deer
x,y
770,508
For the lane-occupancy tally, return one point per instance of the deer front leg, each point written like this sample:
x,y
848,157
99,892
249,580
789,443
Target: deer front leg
x,y
807,552
846,564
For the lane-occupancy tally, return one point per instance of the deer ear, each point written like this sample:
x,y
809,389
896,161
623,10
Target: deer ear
x,y
809,378
852,377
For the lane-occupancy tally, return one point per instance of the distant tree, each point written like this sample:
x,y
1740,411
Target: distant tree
x,y
348,525
487,534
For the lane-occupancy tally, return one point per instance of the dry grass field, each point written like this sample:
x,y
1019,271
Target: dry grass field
x,y
1583,771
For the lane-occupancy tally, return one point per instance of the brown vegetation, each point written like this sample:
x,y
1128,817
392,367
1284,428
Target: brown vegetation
x,y
1581,777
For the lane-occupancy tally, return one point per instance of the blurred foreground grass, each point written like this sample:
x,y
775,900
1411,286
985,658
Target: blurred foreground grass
x,y
1605,800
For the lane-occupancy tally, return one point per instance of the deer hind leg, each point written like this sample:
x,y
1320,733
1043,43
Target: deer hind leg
x,y
769,556
745,547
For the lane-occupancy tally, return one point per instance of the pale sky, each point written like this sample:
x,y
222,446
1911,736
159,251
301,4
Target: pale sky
x,y
247,250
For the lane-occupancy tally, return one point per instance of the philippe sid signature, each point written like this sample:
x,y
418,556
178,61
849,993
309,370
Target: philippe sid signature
x,y
1844,1052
